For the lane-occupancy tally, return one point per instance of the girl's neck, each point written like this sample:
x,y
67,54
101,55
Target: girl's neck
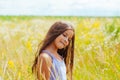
x,y
52,49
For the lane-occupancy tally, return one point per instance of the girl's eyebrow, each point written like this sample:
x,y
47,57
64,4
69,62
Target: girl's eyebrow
x,y
66,33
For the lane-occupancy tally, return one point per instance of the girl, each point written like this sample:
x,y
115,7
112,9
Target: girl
x,y
56,54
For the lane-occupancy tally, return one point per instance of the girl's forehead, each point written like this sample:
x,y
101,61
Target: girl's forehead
x,y
69,30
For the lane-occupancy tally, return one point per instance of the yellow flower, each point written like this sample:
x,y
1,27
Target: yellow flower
x,y
118,67
10,64
80,25
19,73
29,46
96,24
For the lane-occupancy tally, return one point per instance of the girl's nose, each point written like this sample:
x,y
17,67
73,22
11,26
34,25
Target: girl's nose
x,y
66,39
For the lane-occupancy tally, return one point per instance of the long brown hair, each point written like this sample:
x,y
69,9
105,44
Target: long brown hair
x,y
67,53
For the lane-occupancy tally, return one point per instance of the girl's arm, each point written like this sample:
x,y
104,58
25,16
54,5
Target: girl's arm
x,y
44,66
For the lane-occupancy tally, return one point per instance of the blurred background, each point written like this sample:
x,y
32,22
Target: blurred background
x,y
24,23
60,7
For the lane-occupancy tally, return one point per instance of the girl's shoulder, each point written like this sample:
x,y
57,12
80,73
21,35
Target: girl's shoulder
x,y
45,56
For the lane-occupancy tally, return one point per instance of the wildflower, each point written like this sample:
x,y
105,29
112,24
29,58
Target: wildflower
x,y
10,64
29,46
96,24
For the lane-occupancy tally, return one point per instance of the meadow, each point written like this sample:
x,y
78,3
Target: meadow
x,y
97,46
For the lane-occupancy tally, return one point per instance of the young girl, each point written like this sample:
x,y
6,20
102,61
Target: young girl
x,y
56,54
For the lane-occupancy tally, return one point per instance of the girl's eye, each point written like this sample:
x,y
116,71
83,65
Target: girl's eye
x,y
64,35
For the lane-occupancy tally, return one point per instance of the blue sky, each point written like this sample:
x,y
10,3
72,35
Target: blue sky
x,y
60,7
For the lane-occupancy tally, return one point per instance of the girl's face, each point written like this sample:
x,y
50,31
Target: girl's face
x,y
63,40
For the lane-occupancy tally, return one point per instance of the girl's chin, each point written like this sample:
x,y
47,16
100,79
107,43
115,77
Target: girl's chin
x,y
61,47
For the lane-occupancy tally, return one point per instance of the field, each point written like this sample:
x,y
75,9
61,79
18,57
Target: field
x,y
97,46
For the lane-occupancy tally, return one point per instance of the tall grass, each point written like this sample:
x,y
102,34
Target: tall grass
x,y
97,46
